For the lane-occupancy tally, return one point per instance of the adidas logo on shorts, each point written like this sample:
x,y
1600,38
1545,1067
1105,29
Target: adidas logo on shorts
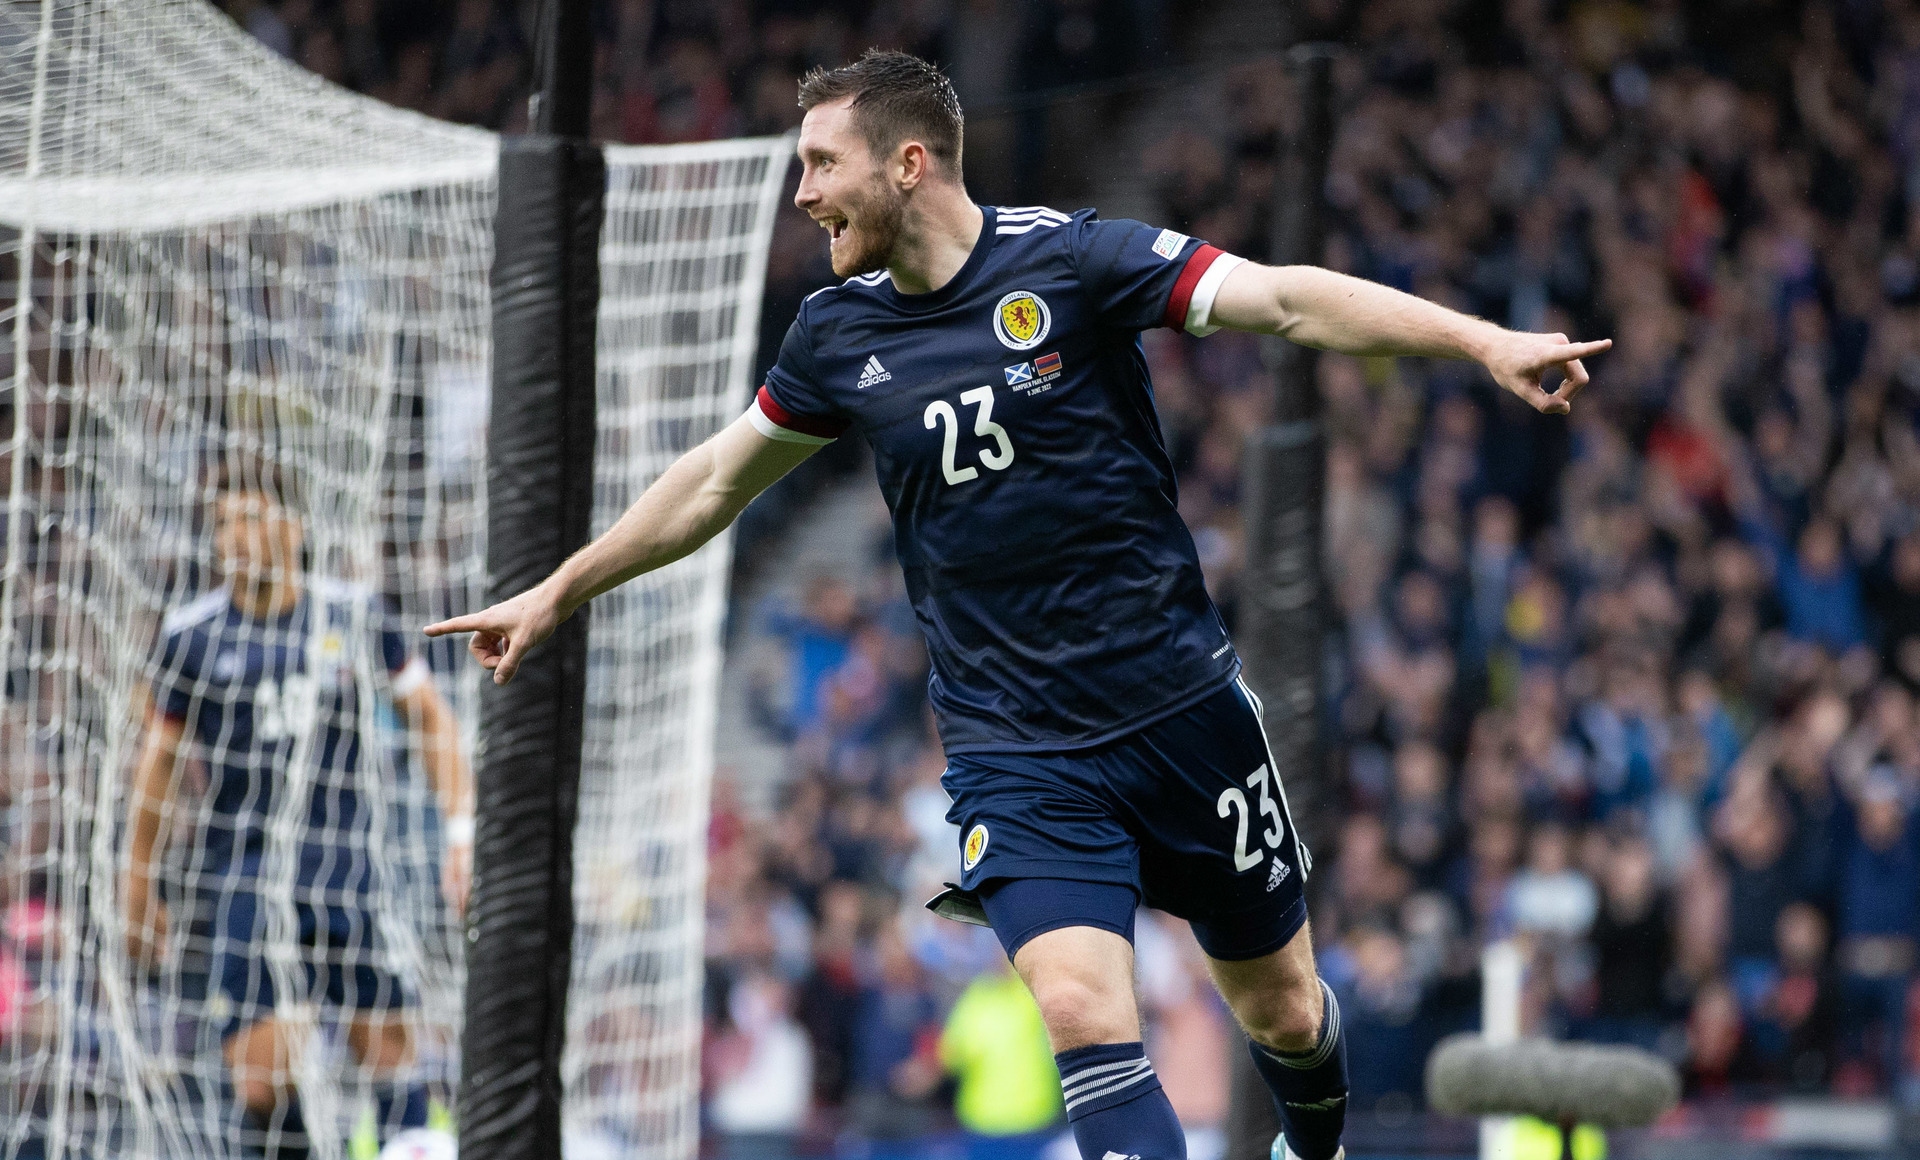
x,y
872,373
1278,874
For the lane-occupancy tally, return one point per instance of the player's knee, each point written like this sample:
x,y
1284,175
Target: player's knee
x,y
1079,1009
257,1065
1284,1018
384,1045
1082,980
257,1093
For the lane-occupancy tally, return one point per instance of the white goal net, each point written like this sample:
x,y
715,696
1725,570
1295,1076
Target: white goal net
x,y
682,261
244,350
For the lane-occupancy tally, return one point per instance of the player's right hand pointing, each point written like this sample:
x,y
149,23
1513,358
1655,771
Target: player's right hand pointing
x,y
504,633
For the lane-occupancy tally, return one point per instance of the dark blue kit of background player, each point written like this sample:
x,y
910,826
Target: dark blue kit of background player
x,y
1083,681
227,675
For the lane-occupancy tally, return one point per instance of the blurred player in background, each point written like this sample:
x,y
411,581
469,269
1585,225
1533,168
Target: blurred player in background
x,y
1102,750
257,679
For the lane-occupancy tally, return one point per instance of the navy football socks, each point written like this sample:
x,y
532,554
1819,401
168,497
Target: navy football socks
x,y
398,1107
280,1134
1116,1106
1310,1088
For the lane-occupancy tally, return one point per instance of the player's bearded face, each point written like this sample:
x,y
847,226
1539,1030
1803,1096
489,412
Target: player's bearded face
x,y
869,224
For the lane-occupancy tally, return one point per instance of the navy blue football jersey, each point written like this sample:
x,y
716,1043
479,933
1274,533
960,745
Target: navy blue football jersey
x,y
1014,433
259,695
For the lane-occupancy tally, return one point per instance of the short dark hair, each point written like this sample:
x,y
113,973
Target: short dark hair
x,y
896,96
245,472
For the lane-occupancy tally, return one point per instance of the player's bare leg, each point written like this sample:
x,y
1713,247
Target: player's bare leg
x,y
383,1043
259,1062
1298,1045
1082,979
1276,998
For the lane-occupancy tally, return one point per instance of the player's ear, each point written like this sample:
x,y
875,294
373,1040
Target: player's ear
x,y
910,164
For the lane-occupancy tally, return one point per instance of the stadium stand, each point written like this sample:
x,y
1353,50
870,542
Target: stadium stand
x,y
1640,684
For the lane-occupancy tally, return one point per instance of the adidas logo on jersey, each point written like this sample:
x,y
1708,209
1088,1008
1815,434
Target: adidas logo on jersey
x,y
872,373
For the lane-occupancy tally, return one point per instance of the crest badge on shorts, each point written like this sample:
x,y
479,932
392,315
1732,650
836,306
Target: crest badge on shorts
x,y
976,846
1021,320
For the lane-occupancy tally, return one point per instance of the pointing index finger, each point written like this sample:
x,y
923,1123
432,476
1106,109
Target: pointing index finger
x,y
1579,350
447,627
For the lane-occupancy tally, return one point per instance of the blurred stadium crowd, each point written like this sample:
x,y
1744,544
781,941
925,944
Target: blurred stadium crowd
x,y
1638,686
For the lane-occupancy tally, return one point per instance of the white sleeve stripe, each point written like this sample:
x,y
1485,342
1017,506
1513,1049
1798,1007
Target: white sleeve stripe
x,y
411,676
1030,211
1200,306
776,432
1028,227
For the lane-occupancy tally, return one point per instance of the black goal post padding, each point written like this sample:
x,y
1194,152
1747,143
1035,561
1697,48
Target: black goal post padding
x,y
1282,611
546,291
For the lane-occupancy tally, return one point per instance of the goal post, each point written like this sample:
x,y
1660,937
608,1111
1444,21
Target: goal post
x,y
540,487
220,275
546,292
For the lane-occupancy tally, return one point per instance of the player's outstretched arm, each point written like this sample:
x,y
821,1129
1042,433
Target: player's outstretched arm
x,y
154,776
1337,312
688,505
423,708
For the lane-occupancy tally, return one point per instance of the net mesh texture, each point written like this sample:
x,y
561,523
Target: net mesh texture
x,y
244,347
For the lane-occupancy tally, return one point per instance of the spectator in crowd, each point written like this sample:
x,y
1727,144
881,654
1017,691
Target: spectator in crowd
x,y
895,1065
1719,1054
830,996
818,637
1879,902
761,1073
1897,603
1633,948
1756,840
1795,1022
996,1047
1419,816
1550,897
1381,1004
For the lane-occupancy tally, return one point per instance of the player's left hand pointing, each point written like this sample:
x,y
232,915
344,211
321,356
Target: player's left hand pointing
x,y
503,634
1519,361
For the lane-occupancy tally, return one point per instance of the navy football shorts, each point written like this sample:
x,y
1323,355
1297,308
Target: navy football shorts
x,y
1187,813
336,952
